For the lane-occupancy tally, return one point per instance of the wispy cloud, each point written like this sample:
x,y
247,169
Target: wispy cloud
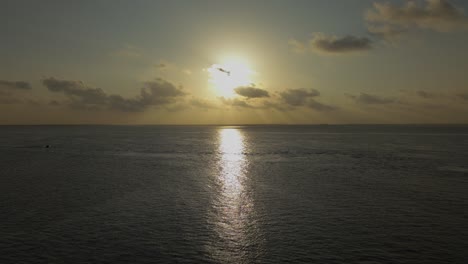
x,y
202,103
332,45
15,85
298,46
388,20
10,100
370,99
317,106
298,97
463,96
11,91
425,94
386,32
128,52
236,102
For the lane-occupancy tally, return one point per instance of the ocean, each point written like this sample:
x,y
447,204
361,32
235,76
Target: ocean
x,y
234,194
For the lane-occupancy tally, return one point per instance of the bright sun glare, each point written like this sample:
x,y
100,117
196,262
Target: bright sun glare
x,y
230,74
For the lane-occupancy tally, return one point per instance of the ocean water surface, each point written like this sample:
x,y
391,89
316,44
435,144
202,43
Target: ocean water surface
x,y
234,194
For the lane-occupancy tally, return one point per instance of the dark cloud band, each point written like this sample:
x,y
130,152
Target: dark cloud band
x,y
15,85
154,93
251,92
346,44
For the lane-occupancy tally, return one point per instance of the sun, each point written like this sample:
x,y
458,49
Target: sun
x,y
231,73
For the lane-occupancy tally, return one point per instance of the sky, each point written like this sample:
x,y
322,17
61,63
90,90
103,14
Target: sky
x,y
233,62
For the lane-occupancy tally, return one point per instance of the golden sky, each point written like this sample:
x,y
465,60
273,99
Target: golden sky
x,y
237,62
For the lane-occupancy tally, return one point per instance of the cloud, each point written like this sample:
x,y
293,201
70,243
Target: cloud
x,y
204,104
336,45
160,92
120,103
155,93
236,103
425,95
313,104
77,91
437,15
369,99
332,45
10,90
251,92
463,96
297,46
164,65
54,103
10,100
20,85
292,98
298,97
276,105
128,52
386,32
34,102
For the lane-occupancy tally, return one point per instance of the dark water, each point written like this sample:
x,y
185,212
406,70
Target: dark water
x,y
261,194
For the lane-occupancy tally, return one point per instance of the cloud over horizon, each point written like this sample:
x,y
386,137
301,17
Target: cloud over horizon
x,y
236,102
303,98
202,103
10,92
155,93
320,107
298,97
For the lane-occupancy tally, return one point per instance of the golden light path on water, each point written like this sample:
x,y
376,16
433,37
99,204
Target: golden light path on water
x,y
233,162
234,206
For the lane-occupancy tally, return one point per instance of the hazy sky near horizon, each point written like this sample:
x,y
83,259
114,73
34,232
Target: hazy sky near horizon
x,y
227,62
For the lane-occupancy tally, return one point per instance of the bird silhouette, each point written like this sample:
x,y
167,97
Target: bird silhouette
x,y
225,71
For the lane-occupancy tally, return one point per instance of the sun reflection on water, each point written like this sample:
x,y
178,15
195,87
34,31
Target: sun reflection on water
x,y
232,162
234,206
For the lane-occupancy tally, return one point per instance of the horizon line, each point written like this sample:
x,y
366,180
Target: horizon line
x,y
271,124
